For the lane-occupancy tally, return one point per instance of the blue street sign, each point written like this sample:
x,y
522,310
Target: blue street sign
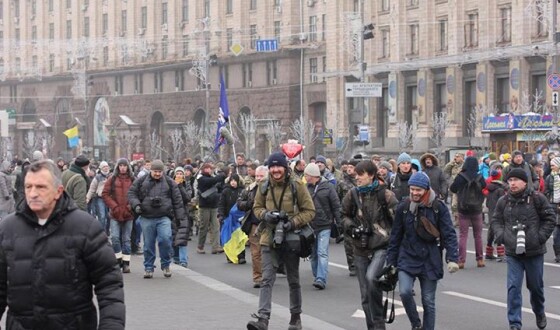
x,y
267,45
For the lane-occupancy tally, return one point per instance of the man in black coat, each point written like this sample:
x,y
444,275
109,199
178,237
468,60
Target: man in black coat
x,y
53,257
209,187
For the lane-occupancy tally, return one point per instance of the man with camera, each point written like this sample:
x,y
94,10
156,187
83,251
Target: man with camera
x,y
523,221
342,188
156,199
422,228
367,218
283,204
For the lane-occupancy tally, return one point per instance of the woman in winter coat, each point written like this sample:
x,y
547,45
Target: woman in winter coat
x,y
93,195
229,197
495,188
552,192
181,231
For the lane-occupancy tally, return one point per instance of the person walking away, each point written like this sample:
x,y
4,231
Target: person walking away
x,y
7,202
93,195
280,198
61,258
523,221
468,186
552,192
114,194
156,199
495,188
367,216
250,223
228,198
76,181
327,210
452,169
415,256
181,233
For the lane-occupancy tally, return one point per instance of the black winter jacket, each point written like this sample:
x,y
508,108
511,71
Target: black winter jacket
x,y
459,183
496,189
530,208
228,199
48,274
399,185
206,182
327,205
245,203
145,189
182,227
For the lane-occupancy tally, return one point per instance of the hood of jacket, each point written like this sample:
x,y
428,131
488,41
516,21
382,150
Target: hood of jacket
x,y
427,155
470,167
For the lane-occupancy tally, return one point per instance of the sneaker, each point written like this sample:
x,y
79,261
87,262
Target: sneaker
x,y
148,274
490,257
480,263
541,321
200,250
218,250
461,265
167,272
352,273
514,327
417,328
257,285
184,264
319,285
242,261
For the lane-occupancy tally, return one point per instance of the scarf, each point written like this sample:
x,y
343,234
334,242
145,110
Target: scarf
x,y
555,187
427,200
369,188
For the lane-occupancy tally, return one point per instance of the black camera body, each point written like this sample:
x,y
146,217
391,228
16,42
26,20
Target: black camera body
x,y
279,229
155,202
362,233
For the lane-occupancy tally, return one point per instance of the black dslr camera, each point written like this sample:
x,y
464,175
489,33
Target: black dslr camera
x,y
362,233
155,202
279,229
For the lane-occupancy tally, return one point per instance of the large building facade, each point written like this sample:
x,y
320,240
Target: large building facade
x,y
142,77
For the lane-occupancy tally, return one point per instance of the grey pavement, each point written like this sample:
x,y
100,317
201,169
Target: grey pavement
x,y
190,300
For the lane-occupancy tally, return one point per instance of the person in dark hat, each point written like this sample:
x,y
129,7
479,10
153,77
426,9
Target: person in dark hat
x,y
517,161
523,221
342,188
76,181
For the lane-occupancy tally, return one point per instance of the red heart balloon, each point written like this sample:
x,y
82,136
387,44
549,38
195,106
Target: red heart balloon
x,y
292,149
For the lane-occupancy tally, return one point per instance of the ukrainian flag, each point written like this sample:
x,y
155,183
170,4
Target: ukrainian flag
x,y
232,237
73,136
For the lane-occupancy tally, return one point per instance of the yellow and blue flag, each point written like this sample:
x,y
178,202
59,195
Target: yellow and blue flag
x,y
73,136
232,237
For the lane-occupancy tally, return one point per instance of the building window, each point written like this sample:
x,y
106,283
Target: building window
x,y
1,40
324,67
440,98
164,47
105,55
313,69
312,28
68,29
17,36
229,7
253,5
119,85
33,7
179,81
470,104
229,38
185,10
185,45
414,29
68,63
105,23
51,62
538,91
35,62
383,114
86,27
138,83
51,31
34,33
158,82
277,29
68,4
247,75
206,8
385,43
324,27
144,17
502,95
51,6
540,15
16,8
471,31
412,3
164,13
253,32
385,5
443,24
505,24
356,6
411,104
123,21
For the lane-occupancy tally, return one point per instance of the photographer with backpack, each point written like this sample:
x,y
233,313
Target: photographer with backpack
x,y
468,186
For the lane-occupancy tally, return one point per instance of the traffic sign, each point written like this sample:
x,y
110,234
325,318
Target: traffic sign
x,y
236,49
555,98
553,81
267,45
327,136
363,89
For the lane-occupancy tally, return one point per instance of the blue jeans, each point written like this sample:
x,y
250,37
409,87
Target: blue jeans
x,y
138,231
556,236
320,256
101,212
180,254
516,268
120,236
156,229
428,288
370,293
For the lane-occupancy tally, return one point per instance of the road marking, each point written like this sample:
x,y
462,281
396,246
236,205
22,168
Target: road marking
x,y
555,287
359,313
338,265
495,303
549,264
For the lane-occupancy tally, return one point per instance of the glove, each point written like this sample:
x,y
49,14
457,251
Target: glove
x,y
392,270
288,226
452,267
271,217
7,198
138,209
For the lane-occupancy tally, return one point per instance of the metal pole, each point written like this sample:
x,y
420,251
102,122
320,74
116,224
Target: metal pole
x,y
362,68
301,114
555,65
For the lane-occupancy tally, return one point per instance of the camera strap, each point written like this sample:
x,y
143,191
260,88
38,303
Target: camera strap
x,y
276,204
391,317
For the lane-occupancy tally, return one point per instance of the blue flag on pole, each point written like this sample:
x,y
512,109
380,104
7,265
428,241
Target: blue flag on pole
x,y
223,115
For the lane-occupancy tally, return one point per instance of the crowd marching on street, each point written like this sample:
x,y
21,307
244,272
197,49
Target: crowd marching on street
x,y
78,224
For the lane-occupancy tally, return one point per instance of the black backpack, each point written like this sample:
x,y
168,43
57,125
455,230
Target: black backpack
x,y
470,196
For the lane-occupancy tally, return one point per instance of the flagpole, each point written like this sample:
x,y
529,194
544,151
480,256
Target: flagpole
x,y
233,146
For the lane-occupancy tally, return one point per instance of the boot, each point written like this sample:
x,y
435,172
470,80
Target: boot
x,y
490,252
556,253
260,324
295,322
480,263
501,250
126,266
119,262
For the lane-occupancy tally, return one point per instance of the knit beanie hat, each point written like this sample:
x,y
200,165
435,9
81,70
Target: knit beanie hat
x,y
386,165
37,155
492,156
420,180
321,159
103,164
277,159
555,161
189,168
518,173
81,161
312,170
122,161
179,169
404,157
157,165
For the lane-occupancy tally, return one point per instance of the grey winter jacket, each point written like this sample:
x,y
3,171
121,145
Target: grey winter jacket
x,y
327,205
144,190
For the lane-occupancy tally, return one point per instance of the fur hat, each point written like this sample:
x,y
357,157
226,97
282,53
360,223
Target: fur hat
x,y
312,170
419,179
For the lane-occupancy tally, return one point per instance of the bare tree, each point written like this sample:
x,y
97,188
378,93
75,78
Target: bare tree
x,y
155,145
531,108
440,124
207,138
248,126
177,141
190,130
304,132
273,135
405,135
31,142
6,148
128,143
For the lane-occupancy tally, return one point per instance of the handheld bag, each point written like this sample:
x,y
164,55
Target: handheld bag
x,y
300,241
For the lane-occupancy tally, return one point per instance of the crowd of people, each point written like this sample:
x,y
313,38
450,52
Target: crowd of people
x,y
395,214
